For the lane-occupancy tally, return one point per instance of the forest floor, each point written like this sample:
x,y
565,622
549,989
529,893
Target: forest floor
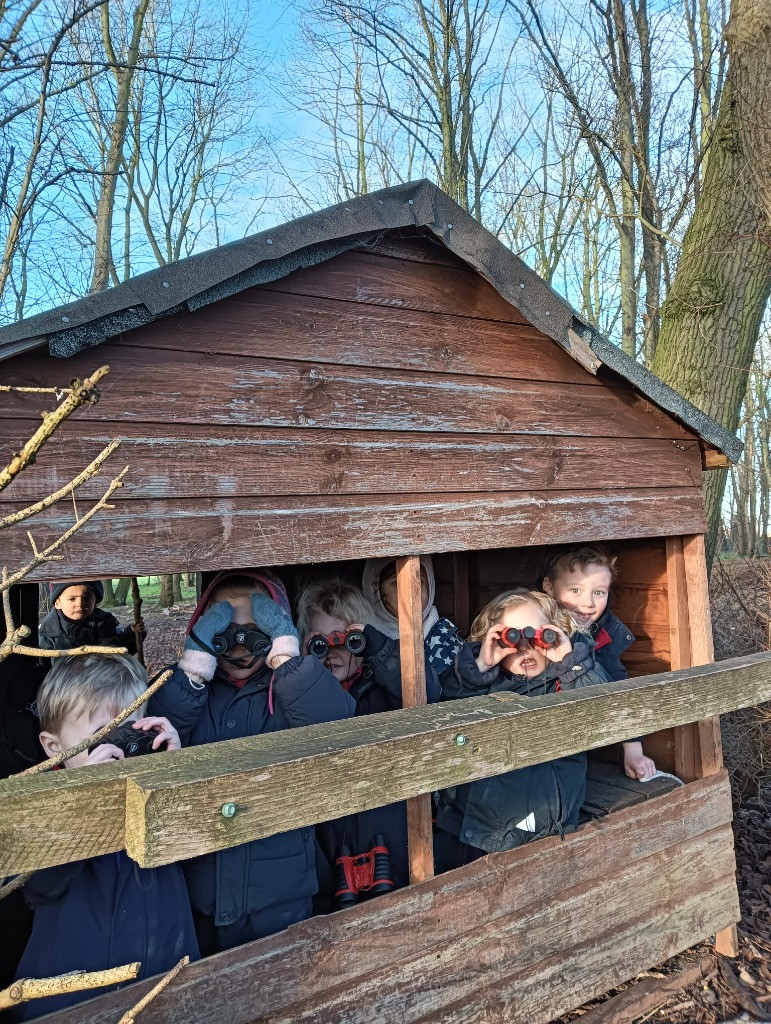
x,y
726,991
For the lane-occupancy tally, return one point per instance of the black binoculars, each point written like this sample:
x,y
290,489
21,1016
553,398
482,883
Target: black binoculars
x,y
131,741
363,873
353,641
543,637
254,640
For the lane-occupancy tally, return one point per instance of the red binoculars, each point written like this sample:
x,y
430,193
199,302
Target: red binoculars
x,y
543,637
366,873
353,641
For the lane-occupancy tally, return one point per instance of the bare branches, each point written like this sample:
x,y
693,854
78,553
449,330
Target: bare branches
x,y
47,554
25,989
130,1016
40,506
92,741
81,393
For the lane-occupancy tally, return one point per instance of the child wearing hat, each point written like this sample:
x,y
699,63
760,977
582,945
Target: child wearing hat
x,y
75,620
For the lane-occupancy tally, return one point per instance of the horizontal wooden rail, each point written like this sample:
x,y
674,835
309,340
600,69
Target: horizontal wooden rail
x,y
168,807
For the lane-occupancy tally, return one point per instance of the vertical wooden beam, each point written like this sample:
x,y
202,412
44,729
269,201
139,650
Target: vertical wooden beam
x,y
419,832
462,617
709,744
698,747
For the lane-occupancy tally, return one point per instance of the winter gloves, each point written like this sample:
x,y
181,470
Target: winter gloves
x,y
279,627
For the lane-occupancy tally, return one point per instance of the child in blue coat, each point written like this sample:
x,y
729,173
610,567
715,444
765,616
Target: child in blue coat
x,y
509,810
105,911
241,674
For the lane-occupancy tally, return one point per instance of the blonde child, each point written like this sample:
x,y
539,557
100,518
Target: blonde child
x,y
506,811
579,580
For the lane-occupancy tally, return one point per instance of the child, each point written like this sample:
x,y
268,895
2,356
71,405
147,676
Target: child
x,y
441,638
105,911
75,621
374,682
252,687
508,810
579,581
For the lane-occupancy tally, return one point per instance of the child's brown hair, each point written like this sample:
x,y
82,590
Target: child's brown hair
x,y
493,610
580,557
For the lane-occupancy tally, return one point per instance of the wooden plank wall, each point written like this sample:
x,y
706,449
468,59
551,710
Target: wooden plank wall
x,y
519,937
384,402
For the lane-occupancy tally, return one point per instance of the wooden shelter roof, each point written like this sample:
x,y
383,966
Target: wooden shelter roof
x,y
207,277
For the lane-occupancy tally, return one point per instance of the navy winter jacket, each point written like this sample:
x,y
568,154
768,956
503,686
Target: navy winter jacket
x,y
378,688
509,810
611,638
265,873
104,912
58,633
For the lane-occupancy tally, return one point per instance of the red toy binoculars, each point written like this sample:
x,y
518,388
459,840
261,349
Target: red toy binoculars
x,y
363,873
543,637
353,641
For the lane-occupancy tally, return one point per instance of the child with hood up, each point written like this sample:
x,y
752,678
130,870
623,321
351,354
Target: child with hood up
x,y
241,674
441,637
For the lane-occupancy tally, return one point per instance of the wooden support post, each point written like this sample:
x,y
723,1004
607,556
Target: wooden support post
x,y
698,747
412,653
462,617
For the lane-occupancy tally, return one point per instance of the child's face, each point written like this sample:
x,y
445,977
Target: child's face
x,y
76,602
340,662
526,660
76,727
240,663
388,592
583,592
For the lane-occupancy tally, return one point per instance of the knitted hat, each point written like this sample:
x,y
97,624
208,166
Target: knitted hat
x,y
57,589
383,620
268,579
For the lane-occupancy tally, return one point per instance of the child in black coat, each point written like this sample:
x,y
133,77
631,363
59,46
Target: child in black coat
x,y
75,620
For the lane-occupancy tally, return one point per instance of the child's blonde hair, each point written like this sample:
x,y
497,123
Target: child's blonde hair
x,y
580,557
90,682
335,597
495,609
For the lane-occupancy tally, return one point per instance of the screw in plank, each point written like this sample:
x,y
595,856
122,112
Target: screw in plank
x,y
460,740
228,810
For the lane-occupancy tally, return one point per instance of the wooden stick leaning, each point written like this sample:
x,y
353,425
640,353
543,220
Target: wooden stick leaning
x,y
92,741
137,619
131,1015
78,981
80,393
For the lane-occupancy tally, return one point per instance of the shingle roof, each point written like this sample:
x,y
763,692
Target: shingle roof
x,y
269,255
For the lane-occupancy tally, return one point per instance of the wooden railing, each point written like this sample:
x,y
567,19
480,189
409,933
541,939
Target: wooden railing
x,y
170,806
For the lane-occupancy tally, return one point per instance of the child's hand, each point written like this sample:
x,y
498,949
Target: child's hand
x,y
103,753
636,764
491,653
215,620
279,627
166,732
139,626
562,648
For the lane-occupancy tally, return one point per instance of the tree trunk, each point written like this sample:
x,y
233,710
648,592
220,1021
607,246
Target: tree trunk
x,y
711,317
166,597
177,588
109,593
121,591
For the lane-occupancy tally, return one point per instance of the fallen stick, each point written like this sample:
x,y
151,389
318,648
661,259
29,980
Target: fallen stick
x,y
741,993
646,995
78,981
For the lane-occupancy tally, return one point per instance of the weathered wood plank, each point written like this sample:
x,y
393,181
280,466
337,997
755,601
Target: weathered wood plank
x,y
175,536
413,666
308,959
196,461
285,393
501,732
266,324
